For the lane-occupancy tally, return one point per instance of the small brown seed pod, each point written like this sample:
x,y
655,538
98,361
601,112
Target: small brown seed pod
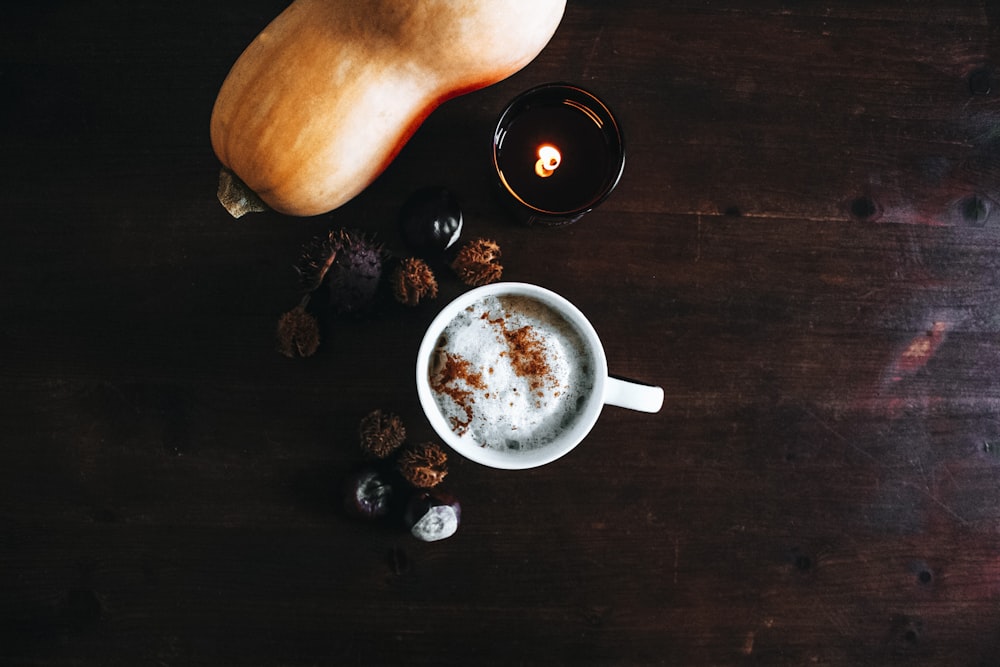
x,y
478,263
412,281
424,465
381,433
298,333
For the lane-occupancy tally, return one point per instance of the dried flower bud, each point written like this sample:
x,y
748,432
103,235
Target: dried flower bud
x,y
478,263
424,465
381,433
298,333
413,280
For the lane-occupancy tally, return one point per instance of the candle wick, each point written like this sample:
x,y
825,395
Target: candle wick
x,y
548,160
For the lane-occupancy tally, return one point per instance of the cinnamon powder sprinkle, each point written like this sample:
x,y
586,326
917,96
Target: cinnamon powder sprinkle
x,y
454,370
527,354
526,351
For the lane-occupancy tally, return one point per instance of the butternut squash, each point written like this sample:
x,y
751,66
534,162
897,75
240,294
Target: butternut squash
x,y
325,96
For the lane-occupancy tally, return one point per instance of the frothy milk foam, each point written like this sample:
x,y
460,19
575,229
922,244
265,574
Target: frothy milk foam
x,y
510,373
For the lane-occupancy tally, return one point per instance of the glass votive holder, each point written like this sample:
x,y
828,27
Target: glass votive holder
x,y
558,152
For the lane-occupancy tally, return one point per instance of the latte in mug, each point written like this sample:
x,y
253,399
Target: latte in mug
x,y
508,372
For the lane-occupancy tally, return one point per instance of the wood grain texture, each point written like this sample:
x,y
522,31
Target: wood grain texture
x,y
804,252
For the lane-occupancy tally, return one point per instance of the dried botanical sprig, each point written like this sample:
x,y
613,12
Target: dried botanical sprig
x,y
381,433
413,280
318,255
424,465
348,266
347,263
298,333
478,262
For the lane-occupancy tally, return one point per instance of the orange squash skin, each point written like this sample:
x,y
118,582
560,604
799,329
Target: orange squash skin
x,y
325,97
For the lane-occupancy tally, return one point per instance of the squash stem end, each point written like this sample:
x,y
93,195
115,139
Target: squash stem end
x,y
236,197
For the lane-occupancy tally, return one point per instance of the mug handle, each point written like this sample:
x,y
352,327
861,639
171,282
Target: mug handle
x,y
633,395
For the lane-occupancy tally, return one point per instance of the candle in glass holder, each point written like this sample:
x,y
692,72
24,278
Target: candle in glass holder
x,y
557,152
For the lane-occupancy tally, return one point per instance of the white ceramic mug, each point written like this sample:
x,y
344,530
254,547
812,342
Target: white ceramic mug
x,y
574,421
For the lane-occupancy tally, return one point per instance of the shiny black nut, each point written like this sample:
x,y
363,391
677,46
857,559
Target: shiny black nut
x,y
431,220
432,515
368,495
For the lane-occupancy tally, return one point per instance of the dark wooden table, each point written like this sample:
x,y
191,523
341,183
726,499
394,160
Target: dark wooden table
x,y
804,252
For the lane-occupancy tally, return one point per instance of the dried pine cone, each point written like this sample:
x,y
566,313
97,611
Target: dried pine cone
x,y
413,280
298,333
424,465
478,262
381,433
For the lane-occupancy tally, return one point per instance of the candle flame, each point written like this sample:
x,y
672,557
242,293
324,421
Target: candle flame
x,y
549,158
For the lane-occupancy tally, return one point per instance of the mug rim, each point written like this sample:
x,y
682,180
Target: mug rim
x,y
497,458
